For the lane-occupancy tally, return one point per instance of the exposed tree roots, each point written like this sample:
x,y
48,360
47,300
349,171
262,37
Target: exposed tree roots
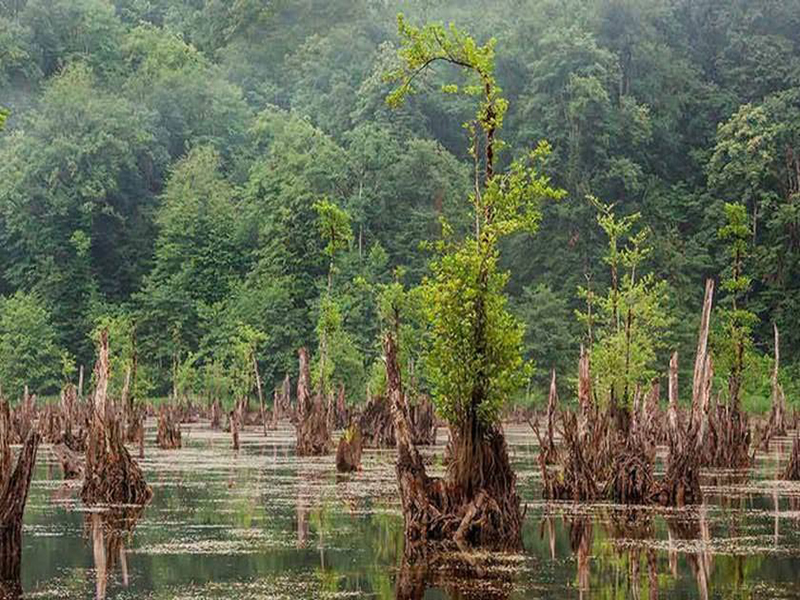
x,y
475,506
792,472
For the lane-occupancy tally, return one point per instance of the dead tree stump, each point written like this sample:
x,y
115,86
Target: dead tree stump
x,y
423,421
792,472
14,486
348,453
313,435
71,461
377,424
475,506
168,436
111,476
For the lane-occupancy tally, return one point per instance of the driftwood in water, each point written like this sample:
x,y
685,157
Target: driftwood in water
x,y
71,461
476,505
111,476
15,483
792,472
168,436
313,435
348,453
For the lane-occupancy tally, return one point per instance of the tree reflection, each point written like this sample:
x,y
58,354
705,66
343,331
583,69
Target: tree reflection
x,y
109,532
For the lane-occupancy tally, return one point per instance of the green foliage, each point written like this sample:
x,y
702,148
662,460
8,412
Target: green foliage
x,y
627,325
734,349
653,104
474,359
29,352
123,355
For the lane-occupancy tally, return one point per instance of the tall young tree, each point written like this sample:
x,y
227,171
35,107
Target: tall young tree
x,y
474,360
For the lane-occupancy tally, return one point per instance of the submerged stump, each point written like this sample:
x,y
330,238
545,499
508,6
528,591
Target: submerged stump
x,y
474,506
348,453
15,483
168,436
111,476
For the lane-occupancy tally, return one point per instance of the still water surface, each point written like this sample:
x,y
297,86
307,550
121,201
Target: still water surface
x,y
262,523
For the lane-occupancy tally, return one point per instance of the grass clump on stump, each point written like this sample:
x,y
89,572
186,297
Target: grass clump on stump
x,y
473,360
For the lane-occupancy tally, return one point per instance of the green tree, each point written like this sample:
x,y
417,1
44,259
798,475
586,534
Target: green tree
x,y
29,351
474,362
626,326
735,344
197,258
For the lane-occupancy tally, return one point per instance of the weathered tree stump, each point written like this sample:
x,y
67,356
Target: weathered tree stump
x,y
235,419
313,435
348,453
282,403
71,461
792,472
423,422
111,475
216,415
475,506
377,424
168,436
14,486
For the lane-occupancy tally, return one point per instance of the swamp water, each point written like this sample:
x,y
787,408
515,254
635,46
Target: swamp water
x,y
262,523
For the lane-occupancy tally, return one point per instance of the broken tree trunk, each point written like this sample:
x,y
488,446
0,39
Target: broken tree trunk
x,y
777,417
475,506
260,396
585,404
236,418
111,475
313,435
377,424
547,446
14,486
168,436
348,453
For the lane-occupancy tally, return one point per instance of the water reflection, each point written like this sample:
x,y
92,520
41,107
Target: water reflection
x,y
265,523
109,531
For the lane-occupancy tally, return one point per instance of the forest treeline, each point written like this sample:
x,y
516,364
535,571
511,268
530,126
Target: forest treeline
x,y
217,182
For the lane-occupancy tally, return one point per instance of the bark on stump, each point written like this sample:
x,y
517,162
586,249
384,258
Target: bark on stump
x,y
313,435
168,436
111,476
348,453
475,506
14,486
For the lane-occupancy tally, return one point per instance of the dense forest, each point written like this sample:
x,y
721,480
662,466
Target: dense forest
x,y
220,182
